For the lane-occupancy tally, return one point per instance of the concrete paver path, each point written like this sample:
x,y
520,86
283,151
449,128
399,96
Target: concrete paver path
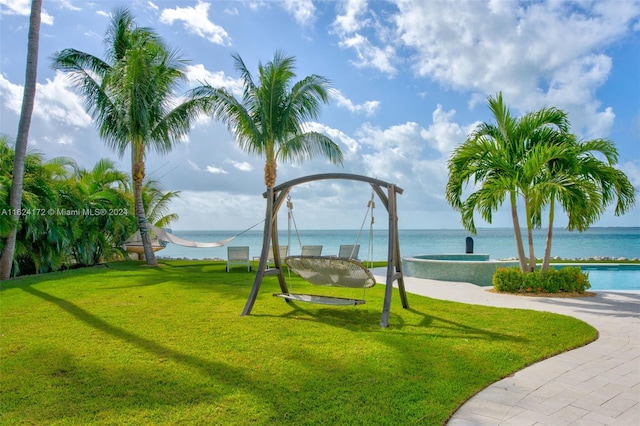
x,y
598,384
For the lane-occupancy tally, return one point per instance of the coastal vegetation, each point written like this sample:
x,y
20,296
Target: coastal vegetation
x,y
131,97
72,216
121,344
535,160
15,188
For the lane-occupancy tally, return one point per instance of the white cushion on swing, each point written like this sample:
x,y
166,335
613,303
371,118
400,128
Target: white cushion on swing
x,y
331,271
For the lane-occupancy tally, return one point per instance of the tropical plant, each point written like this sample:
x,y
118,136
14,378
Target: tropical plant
x,y
28,101
101,194
131,97
41,234
270,118
156,203
504,159
583,185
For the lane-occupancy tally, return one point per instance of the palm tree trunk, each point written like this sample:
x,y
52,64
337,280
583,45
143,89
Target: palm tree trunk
x,y
532,256
28,100
138,177
270,172
547,248
517,233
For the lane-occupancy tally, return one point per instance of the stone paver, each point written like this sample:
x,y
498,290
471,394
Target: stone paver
x,y
598,384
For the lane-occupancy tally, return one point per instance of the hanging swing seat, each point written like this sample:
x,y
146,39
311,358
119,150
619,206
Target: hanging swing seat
x,y
321,300
331,271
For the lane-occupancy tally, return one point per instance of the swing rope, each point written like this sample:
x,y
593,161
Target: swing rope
x,y
331,270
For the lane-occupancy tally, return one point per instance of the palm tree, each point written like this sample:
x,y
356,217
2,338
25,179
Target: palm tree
x,y
156,203
131,98
102,193
583,185
499,158
269,119
22,139
42,235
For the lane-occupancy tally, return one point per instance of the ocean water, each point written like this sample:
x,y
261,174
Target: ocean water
x,y
498,243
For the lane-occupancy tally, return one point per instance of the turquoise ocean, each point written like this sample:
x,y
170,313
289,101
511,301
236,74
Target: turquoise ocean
x,y
606,243
499,243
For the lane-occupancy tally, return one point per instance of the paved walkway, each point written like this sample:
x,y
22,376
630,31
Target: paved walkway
x,y
598,384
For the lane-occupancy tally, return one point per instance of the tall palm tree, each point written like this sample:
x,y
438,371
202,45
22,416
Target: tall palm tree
x,y
28,101
131,97
269,119
500,160
583,185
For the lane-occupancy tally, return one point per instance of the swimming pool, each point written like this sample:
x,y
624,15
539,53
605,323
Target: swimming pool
x,y
608,276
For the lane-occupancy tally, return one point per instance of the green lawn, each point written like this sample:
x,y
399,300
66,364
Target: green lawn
x,y
128,344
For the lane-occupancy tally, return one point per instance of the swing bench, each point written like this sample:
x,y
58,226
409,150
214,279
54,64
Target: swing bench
x,y
329,271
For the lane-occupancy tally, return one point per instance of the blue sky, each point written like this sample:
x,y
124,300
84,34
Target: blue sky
x,y
411,80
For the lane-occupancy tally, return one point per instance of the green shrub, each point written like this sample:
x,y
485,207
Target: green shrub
x,y
569,279
508,279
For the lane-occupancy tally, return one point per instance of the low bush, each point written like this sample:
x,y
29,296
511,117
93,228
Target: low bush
x,y
570,279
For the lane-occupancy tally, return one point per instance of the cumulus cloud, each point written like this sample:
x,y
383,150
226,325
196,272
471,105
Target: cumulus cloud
x,y
444,134
339,137
23,8
196,20
352,18
198,74
486,47
367,108
302,10
55,101
354,28
370,56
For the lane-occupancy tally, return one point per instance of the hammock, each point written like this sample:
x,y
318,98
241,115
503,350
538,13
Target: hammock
x,y
331,271
167,237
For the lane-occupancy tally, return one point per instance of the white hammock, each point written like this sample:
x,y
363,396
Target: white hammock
x,y
168,237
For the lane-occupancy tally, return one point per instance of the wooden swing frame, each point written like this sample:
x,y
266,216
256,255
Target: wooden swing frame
x,y
275,198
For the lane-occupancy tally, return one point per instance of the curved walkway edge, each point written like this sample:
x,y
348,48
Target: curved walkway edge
x,y
597,384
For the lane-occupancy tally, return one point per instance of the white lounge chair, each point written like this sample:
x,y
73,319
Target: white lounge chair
x,y
238,255
283,250
350,251
311,251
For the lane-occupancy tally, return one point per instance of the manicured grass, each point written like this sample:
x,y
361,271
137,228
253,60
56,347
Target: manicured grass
x,y
128,344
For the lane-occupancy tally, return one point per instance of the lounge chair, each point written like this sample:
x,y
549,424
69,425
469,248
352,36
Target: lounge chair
x,y
350,251
311,251
238,255
283,250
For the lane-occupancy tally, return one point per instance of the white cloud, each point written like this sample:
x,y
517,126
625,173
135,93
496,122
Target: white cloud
x,y
370,56
243,166
352,28
54,101
216,170
368,108
198,74
352,20
514,47
339,137
444,134
302,10
23,8
196,20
